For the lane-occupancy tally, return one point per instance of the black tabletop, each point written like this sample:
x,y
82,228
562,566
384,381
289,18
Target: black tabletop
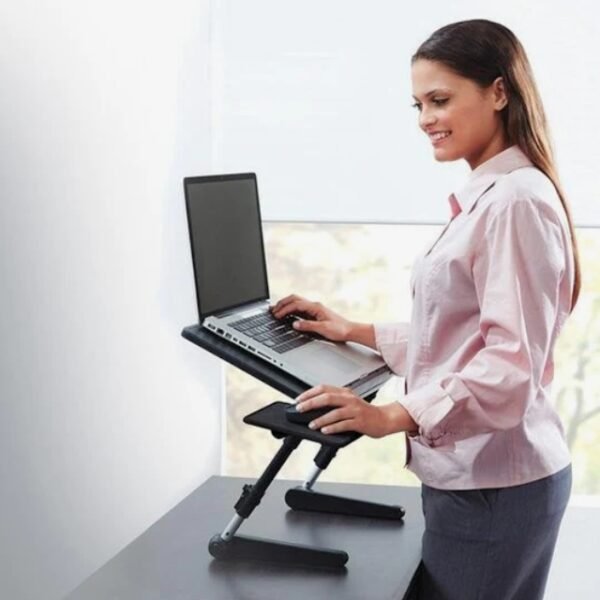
x,y
170,561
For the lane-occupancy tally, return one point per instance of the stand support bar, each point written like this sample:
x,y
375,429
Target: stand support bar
x,y
252,494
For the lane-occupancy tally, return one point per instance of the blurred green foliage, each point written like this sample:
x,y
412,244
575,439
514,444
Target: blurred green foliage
x,y
363,272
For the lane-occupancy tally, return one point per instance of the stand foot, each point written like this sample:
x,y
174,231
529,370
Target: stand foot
x,y
299,498
250,548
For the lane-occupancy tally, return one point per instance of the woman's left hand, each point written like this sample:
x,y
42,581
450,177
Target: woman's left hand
x,y
351,413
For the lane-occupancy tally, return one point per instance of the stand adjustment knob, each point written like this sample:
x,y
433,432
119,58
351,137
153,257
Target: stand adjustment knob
x,y
246,491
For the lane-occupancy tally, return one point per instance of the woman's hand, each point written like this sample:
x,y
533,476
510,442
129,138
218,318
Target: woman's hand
x,y
319,319
351,413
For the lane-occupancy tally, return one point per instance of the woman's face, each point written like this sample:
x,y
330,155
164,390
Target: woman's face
x,y
449,103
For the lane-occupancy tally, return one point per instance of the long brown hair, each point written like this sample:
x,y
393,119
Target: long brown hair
x,y
482,51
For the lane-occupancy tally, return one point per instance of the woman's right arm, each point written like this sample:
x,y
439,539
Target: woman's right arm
x,y
389,339
362,333
317,318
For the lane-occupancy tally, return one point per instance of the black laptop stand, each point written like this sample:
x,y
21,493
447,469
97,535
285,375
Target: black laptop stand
x,y
229,546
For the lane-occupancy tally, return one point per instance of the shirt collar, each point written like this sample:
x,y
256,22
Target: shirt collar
x,y
487,173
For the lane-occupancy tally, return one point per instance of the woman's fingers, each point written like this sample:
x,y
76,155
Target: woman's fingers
x,y
295,306
287,300
334,415
311,326
349,412
319,401
340,427
319,396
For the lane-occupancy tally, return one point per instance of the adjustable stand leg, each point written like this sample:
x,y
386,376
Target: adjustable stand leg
x,y
228,546
304,498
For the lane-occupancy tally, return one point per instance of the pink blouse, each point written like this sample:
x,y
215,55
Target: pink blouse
x,y
489,300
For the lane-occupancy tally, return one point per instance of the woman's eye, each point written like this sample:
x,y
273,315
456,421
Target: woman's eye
x,y
436,101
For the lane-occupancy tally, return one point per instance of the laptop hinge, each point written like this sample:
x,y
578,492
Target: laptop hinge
x,y
240,308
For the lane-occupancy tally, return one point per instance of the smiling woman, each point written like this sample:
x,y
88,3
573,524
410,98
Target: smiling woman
x,y
477,101
489,300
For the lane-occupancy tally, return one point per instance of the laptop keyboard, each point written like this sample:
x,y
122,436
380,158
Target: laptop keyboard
x,y
276,334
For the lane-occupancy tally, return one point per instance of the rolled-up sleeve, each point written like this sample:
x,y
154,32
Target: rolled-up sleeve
x,y
516,274
391,340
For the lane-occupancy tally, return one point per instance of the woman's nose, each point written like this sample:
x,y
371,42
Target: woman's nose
x,y
426,120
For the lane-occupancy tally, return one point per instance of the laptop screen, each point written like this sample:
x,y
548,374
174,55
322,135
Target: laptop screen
x,y
226,239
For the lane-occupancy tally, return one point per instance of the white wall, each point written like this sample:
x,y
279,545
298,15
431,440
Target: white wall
x,y
107,416
316,98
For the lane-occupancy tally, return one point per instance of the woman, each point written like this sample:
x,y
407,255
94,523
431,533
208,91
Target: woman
x,y
489,299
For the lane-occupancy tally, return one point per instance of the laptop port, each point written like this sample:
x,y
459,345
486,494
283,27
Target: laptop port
x,y
251,348
220,331
228,336
242,344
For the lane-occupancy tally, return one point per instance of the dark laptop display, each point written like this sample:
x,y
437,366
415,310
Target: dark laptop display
x,y
226,237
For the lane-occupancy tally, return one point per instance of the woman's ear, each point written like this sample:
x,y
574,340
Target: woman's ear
x,y
500,99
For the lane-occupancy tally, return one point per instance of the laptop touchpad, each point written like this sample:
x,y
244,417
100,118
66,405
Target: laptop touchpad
x,y
331,360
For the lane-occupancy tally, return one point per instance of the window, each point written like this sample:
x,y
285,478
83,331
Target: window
x,y
363,272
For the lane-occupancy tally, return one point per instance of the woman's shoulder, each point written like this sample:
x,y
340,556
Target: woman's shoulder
x,y
526,184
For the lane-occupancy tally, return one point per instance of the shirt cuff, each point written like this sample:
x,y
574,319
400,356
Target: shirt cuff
x,y
391,340
428,406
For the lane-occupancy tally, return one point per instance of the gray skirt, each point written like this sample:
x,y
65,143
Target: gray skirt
x,y
491,544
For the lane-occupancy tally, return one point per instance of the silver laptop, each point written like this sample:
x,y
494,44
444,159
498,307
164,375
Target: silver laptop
x,y
233,292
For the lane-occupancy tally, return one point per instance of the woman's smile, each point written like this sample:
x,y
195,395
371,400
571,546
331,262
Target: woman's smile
x,y
438,137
